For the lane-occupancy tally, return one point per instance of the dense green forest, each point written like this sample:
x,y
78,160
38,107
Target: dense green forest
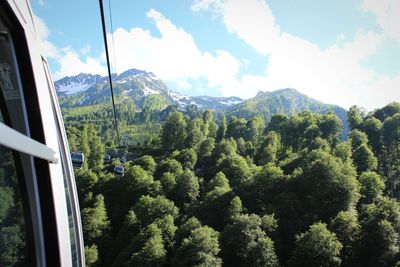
x,y
205,190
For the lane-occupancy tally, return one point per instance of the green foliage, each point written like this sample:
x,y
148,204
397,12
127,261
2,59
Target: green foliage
x,y
226,147
147,163
355,117
330,126
168,165
210,127
285,101
244,243
255,127
86,181
364,159
150,248
7,202
372,127
215,210
94,220
128,189
263,187
347,229
201,248
222,128
372,186
326,186
187,187
391,131
277,123
127,233
11,245
387,111
235,208
96,148
235,168
357,138
380,223
168,182
148,209
343,151
152,103
186,229
168,229
263,254
316,247
84,144
269,224
269,148
289,175
197,131
174,132
188,158
219,180
91,255
206,148
236,127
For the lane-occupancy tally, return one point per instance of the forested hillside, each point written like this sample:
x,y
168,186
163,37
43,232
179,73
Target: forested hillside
x,y
234,191
141,97
285,101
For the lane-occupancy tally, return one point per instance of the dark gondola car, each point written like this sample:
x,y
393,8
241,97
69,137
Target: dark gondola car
x,y
78,159
119,170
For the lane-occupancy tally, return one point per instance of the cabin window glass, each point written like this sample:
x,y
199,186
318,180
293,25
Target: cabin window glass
x,y
15,227
12,223
72,201
10,84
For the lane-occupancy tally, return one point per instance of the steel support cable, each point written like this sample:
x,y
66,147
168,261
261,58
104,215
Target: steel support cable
x,y
103,23
112,35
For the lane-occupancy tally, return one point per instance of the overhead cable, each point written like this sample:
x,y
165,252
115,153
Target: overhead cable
x,y
103,23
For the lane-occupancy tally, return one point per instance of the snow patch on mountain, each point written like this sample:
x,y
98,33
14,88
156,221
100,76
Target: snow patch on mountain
x,y
149,91
135,84
73,88
231,102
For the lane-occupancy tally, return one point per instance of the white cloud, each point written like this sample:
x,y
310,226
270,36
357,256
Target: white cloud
x,y
387,14
70,61
85,50
49,49
333,75
174,56
252,21
199,5
71,64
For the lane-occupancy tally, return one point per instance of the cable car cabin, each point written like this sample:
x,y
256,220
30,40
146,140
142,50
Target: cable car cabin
x,y
107,158
39,219
78,159
119,170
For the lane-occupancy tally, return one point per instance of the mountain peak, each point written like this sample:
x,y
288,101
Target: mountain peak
x,y
77,83
287,90
131,72
279,91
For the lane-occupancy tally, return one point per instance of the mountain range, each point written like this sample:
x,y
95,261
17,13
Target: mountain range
x,y
146,90
87,89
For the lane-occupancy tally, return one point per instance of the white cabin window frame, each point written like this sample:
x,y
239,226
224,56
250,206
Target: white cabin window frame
x,y
17,141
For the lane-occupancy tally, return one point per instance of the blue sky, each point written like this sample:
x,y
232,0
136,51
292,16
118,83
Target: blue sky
x,y
342,52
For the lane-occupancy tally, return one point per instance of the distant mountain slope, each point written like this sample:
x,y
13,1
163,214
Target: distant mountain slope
x,y
287,101
137,85
206,102
75,84
145,91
